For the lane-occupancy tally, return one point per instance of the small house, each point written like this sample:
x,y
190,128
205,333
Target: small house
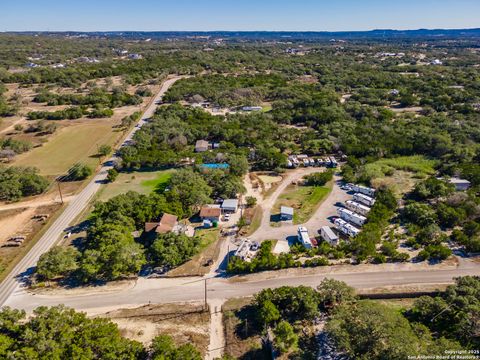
x,y
202,146
230,206
328,235
211,213
286,213
164,226
460,184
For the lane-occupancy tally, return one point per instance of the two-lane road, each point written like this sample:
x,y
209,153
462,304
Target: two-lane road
x,y
219,288
74,208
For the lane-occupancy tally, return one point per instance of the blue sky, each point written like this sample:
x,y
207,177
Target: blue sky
x,y
329,15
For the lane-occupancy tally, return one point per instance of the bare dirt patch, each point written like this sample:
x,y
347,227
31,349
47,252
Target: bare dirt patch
x,y
185,323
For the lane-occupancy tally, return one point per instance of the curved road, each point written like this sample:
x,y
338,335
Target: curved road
x,y
74,208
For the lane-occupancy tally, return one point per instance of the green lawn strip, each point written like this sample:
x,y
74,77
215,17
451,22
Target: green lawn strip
x,y
304,199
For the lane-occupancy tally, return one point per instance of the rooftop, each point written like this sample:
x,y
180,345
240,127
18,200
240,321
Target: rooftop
x,y
166,224
207,211
230,203
286,210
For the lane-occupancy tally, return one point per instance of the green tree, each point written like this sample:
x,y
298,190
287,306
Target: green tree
x,y
268,313
251,201
163,348
62,333
104,150
190,189
79,172
285,337
112,175
58,261
333,293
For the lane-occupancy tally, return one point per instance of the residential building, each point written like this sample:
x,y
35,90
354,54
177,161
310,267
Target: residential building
x,y
211,213
165,225
286,213
202,146
230,205
460,184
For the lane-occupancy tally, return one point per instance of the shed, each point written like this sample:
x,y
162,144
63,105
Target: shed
x,y
286,213
230,205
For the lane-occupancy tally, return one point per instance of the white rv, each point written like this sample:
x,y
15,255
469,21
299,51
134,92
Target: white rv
x,y
346,228
352,217
364,199
357,207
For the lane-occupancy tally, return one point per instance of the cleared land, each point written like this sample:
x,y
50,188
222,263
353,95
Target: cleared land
x,y
186,323
70,145
143,182
303,199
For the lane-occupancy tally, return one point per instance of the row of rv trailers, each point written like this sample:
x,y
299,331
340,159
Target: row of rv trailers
x,y
297,160
353,216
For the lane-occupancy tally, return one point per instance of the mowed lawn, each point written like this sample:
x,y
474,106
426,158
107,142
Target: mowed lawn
x,y
70,145
305,200
143,182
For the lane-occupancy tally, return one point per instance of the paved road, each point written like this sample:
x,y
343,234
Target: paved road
x,y
74,208
220,288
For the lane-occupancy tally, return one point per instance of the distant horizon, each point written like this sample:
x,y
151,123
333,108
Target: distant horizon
x,y
241,15
240,31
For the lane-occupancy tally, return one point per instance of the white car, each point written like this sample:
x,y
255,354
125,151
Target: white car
x,y
226,217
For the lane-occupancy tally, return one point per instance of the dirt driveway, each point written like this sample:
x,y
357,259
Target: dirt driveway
x,y
319,218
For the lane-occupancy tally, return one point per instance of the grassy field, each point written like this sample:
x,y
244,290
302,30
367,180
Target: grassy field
x,y
72,144
304,199
401,174
416,164
143,182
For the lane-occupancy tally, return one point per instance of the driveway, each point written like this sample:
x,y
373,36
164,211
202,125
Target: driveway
x,y
320,218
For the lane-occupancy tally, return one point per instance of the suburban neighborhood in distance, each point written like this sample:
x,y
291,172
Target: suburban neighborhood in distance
x,y
240,194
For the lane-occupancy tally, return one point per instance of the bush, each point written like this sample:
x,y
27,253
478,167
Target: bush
x,y
79,172
319,179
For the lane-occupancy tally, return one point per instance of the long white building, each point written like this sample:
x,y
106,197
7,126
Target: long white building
x,y
303,237
357,207
364,199
346,228
352,217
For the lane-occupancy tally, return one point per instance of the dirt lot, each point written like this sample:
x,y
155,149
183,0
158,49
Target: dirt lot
x,y
20,222
186,323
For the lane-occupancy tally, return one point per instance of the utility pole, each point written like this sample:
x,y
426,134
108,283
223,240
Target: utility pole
x,y
228,253
205,282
